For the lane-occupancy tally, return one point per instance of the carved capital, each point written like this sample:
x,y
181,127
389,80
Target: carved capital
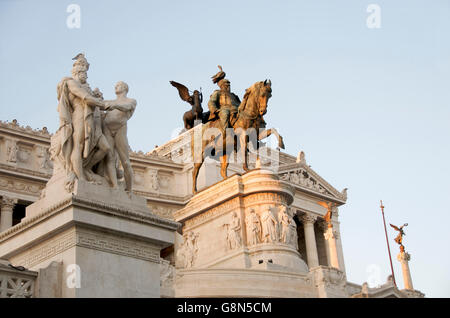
x,y
307,218
404,257
336,234
329,234
322,225
335,212
7,203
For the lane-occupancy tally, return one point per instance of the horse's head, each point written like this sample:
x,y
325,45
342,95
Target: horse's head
x,y
255,99
265,92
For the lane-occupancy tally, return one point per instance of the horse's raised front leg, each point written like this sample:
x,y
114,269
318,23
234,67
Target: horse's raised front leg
x,y
266,133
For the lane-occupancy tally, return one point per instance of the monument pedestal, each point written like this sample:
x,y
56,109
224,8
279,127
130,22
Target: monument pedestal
x,y
220,255
107,241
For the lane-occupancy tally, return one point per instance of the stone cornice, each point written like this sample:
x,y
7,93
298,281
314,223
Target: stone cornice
x,y
14,128
24,173
43,136
141,157
93,205
16,273
166,198
236,271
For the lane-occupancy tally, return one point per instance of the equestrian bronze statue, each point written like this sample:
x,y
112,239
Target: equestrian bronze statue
x,y
231,126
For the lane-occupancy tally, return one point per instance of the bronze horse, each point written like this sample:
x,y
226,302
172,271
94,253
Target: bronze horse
x,y
250,116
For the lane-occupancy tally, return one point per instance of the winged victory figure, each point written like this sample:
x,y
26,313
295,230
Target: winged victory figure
x,y
329,206
399,238
195,100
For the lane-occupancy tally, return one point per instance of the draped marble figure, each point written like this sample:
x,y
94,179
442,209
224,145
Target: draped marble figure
x,y
270,227
234,232
91,131
253,228
284,225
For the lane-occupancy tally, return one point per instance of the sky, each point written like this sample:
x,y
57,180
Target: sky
x,y
370,107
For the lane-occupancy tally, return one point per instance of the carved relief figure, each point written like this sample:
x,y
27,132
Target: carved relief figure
x,y
292,232
284,224
188,249
270,226
166,273
154,180
253,228
295,178
44,158
234,232
12,152
298,177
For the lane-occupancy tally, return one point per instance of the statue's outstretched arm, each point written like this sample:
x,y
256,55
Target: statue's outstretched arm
x,y
122,106
82,93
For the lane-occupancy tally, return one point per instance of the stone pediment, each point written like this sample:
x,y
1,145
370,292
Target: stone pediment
x,y
302,177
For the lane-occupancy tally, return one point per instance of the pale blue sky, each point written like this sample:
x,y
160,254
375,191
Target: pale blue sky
x,y
370,107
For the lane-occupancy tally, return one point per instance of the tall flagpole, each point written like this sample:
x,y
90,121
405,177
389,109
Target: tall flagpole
x,y
387,242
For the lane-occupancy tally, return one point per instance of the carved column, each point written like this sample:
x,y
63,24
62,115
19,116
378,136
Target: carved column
x,y
310,240
404,258
337,230
330,236
7,205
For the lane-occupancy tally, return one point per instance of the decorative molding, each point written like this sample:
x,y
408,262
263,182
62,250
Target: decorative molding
x,y
43,251
89,239
21,186
213,213
117,245
102,207
265,198
27,173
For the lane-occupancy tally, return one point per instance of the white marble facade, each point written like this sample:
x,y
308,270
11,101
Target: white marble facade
x,y
293,224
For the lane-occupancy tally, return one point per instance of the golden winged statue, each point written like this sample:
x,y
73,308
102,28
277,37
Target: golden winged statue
x,y
329,206
399,238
